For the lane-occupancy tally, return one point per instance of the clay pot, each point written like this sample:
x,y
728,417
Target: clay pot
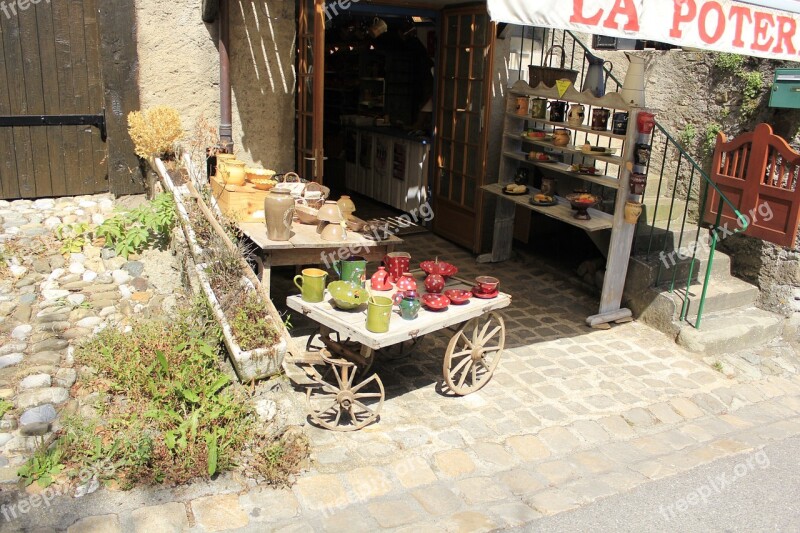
x,y
234,173
434,283
633,211
221,160
561,138
346,206
278,213
637,183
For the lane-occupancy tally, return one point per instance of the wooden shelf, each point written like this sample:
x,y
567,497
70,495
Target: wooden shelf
x,y
563,168
572,149
609,100
563,211
565,125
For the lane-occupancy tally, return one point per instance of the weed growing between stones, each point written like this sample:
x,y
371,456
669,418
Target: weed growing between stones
x,y
164,410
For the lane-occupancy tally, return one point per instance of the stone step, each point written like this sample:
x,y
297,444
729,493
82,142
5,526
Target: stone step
x,y
730,331
657,269
723,293
663,208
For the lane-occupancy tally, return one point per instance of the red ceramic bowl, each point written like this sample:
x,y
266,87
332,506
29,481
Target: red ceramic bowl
x,y
487,284
435,302
458,296
441,268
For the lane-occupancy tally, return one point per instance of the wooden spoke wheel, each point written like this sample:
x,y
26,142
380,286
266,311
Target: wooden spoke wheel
x,y
341,404
473,354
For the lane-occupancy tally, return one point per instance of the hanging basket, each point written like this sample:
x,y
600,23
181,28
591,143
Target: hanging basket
x,y
548,75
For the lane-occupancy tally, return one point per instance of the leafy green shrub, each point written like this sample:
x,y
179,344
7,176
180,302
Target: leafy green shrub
x,y
43,467
729,62
73,237
687,136
133,231
710,138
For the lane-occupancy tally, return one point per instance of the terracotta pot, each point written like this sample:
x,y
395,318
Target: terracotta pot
x,y
632,212
561,138
278,214
522,105
234,173
346,206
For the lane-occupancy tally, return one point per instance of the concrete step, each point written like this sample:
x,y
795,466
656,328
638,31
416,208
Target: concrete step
x,y
724,293
730,331
661,208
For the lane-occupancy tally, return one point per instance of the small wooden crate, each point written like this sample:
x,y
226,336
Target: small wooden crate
x,y
242,203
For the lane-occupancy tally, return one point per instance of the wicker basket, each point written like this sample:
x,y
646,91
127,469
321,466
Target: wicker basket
x,y
549,75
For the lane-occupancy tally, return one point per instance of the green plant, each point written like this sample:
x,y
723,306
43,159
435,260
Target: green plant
x,y
717,366
135,230
710,138
687,136
43,467
5,406
73,237
155,132
251,326
751,92
729,62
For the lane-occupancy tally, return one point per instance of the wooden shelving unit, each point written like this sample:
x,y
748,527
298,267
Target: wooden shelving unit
x,y
615,178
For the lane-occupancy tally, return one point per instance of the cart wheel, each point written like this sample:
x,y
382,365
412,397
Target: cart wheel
x,y
342,406
473,354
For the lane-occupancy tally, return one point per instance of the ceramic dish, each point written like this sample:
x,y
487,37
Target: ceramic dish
x,y
597,150
436,302
458,296
439,267
306,215
520,193
537,203
346,295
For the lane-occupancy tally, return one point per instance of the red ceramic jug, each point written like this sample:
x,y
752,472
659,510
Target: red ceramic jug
x,y
398,264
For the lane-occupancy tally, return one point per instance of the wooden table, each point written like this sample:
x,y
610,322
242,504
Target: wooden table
x,y
306,247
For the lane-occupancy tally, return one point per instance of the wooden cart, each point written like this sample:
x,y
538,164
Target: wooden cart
x,y
346,397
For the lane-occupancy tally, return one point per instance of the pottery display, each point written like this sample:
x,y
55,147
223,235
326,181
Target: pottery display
x,y
600,119
458,296
406,282
346,206
379,314
434,283
234,172
347,295
576,115
352,269
561,137
436,302
330,212
633,86
380,280
397,263
633,211
641,154
221,159
581,202
408,303
439,267
548,187
306,215
538,107
558,111
311,283
487,284
278,214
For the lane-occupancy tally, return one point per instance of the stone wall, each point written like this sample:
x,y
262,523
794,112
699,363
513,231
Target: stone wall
x,y
179,67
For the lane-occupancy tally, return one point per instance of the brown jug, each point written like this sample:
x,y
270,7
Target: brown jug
x,y
278,213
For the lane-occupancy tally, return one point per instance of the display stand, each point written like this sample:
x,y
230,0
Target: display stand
x,y
614,175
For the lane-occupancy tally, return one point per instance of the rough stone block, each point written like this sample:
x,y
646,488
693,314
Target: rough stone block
x,y
454,463
394,513
166,518
219,512
528,447
108,523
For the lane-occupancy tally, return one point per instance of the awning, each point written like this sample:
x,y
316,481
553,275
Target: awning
x,y
762,28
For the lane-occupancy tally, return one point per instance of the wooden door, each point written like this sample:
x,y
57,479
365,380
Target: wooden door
x,y
310,87
50,65
462,118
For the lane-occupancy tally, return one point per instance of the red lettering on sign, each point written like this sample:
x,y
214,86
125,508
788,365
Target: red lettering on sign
x,y
626,8
681,16
763,22
703,22
786,30
738,14
578,16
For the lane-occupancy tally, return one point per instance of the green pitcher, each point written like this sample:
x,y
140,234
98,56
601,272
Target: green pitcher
x,y
352,269
311,284
379,314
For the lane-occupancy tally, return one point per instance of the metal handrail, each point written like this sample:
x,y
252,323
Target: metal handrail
x,y
706,186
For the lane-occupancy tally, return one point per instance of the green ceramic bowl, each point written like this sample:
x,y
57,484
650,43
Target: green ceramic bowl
x,y
346,295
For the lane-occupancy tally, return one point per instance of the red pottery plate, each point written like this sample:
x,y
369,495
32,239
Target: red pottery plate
x,y
441,268
435,302
458,296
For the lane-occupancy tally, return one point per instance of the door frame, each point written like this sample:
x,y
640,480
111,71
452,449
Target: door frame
x,y
310,29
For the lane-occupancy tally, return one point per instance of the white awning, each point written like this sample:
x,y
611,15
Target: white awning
x,y
762,28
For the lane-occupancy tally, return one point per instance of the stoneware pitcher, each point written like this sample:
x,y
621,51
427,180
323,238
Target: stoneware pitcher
x,y
596,75
278,213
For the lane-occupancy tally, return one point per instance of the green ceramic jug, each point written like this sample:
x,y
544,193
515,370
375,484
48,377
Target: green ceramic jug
x,y
311,284
352,269
379,314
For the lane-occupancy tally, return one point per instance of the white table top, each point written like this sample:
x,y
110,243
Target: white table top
x,y
306,236
352,324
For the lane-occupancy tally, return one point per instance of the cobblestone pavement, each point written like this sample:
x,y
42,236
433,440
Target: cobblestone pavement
x,y
572,415
48,301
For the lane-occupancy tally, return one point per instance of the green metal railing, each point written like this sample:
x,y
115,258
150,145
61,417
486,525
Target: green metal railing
x,y
679,179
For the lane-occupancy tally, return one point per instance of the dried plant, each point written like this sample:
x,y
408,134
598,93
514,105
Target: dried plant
x,y
155,132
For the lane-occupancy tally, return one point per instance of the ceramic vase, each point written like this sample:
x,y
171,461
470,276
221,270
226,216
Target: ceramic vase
x,y
380,280
278,214
633,86
234,172
632,212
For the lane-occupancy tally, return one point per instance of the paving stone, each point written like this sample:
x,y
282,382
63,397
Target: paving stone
x,y
665,413
46,358
639,417
709,404
623,481
557,472
453,463
593,461
589,490
651,445
32,398
468,522
166,518
521,481
494,454
653,469
348,520
685,408
10,360
12,347
413,472
437,499
617,427
219,512
35,381
479,490
706,454
65,377
514,514
49,344
108,523
528,447
368,483
321,492
559,440
590,431
553,501
696,432
393,513
270,505
675,439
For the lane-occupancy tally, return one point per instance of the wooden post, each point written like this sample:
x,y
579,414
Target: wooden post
x,y
120,67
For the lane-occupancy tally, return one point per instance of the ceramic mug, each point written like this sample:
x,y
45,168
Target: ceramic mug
x,y
620,123
378,27
311,284
538,107
558,111
600,119
352,269
379,314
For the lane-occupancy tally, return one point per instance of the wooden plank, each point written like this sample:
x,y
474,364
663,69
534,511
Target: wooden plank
x,y
15,78
66,92
314,256
306,236
9,186
243,203
120,70
80,84
52,105
92,36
